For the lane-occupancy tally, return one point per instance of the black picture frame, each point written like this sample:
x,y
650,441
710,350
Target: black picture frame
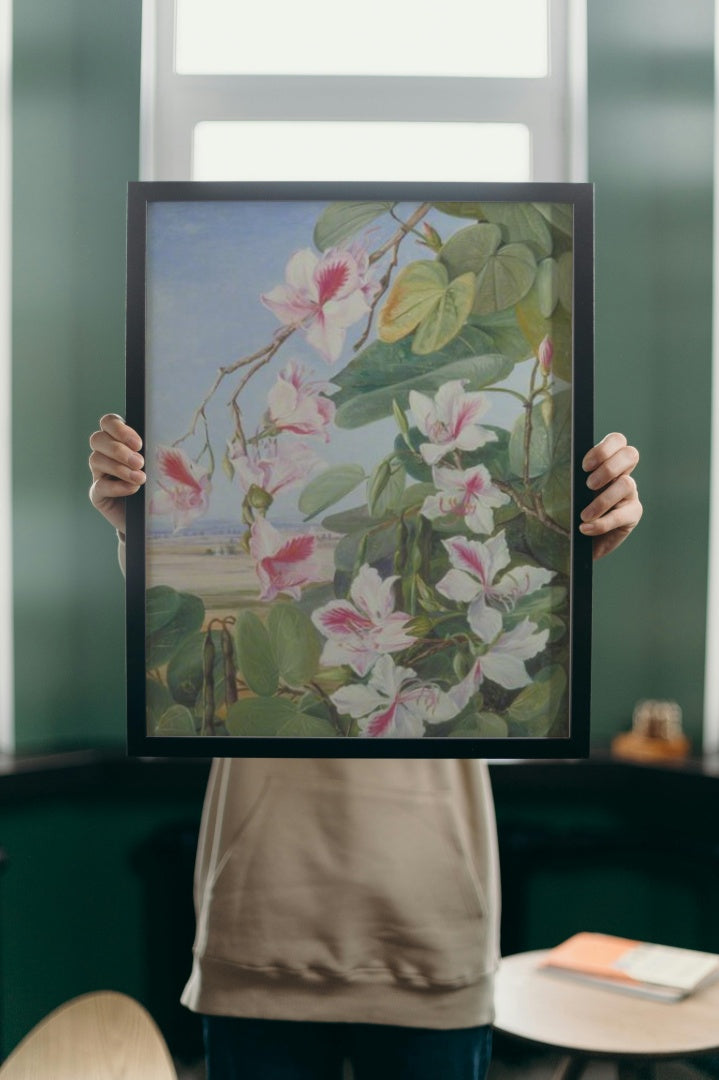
x,y
161,285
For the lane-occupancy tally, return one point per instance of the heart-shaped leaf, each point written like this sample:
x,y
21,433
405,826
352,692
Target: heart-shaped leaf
x,y
521,223
507,276
470,248
422,298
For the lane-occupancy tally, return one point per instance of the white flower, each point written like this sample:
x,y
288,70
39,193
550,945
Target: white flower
x,y
324,294
366,626
451,421
394,702
465,493
503,663
471,580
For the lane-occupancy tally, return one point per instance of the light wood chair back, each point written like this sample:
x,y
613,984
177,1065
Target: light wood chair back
x,y
99,1036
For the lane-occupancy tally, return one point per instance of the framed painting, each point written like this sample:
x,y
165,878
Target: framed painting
x,y
364,409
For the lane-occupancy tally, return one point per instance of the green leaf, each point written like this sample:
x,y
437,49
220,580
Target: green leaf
x,y
422,298
548,598
504,333
461,209
169,620
548,547
557,494
482,725
547,286
469,249
385,488
448,317
255,655
341,220
177,720
349,521
536,707
400,417
521,223
260,716
559,215
295,643
383,373
550,443
161,605
380,544
157,698
414,294
380,365
535,327
566,280
306,726
508,275
328,488
185,670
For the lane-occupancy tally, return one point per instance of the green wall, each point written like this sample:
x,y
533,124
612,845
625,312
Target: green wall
x,y
76,95
75,146
651,157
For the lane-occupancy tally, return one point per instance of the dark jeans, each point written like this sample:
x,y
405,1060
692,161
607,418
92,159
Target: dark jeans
x,y
239,1049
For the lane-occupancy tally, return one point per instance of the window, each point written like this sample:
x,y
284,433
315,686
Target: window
x,y
475,90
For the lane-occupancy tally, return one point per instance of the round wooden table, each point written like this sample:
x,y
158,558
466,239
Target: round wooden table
x,y
587,1022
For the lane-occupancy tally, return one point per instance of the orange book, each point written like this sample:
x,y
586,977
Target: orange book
x,y
662,972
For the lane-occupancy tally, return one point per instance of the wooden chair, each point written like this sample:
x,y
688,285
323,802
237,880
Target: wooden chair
x,y
99,1036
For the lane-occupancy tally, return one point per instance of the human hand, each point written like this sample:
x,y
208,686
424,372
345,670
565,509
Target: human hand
x,y
116,466
616,509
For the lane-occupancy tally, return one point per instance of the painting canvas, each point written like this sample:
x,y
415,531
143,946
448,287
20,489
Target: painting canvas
x,y
362,409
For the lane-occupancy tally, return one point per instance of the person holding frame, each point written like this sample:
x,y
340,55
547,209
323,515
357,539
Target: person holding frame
x,y
349,909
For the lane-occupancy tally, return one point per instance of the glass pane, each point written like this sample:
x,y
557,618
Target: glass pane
x,y
315,150
469,38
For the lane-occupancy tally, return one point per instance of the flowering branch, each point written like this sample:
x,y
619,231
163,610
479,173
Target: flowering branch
x,y
266,354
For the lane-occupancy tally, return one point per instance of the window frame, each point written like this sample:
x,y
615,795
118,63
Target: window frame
x,y
553,108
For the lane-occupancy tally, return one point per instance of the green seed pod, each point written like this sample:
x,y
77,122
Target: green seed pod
x,y
228,656
208,685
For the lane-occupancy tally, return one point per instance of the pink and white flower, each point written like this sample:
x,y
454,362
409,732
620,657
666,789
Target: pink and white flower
x,y
184,487
272,464
465,493
503,663
284,564
394,703
472,581
324,294
451,420
366,626
297,404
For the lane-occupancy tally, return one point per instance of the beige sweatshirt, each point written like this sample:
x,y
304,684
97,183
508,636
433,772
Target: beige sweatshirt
x,y
347,890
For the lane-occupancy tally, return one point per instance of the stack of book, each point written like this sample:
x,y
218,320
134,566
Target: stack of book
x,y
661,972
